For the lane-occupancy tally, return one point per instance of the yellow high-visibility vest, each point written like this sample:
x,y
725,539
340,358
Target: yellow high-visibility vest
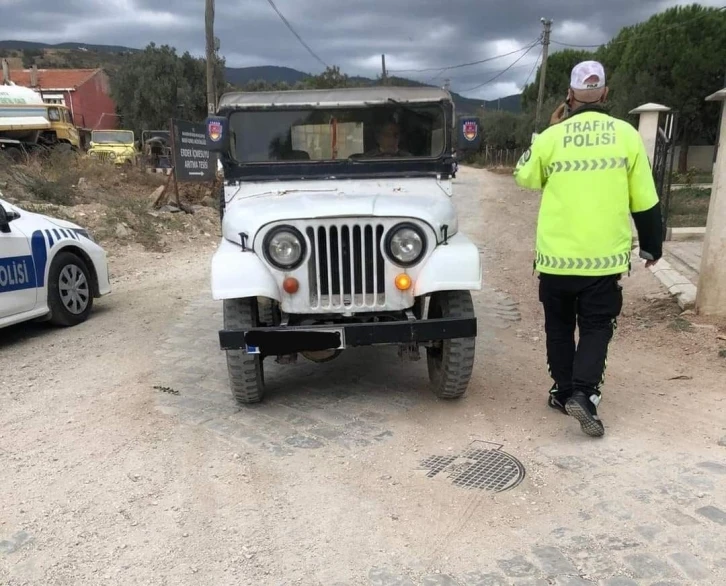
x,y
594,172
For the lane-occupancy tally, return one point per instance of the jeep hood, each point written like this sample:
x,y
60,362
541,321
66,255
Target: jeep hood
x,y
251,206
117,146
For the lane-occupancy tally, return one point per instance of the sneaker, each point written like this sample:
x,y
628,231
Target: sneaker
x,y
558,399
584,409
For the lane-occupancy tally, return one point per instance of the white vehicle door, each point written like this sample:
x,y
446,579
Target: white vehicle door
x,y
18,282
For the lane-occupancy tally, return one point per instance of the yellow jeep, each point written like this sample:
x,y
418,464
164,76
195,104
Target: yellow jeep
x,y
114,146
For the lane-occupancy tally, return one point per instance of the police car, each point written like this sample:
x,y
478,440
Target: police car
x,y
50,269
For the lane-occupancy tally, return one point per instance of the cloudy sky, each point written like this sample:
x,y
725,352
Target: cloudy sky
x,y
414,34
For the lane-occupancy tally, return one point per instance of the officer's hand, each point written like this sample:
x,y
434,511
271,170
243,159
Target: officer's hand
x,y
558,115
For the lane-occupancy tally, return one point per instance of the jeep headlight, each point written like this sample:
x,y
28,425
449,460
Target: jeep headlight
x,y
284,247
406,244
111,155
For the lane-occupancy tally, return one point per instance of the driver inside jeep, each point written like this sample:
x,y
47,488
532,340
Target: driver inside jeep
x,y
388,136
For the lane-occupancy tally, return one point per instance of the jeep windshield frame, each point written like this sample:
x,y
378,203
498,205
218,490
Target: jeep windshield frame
x,y
111,137
314,108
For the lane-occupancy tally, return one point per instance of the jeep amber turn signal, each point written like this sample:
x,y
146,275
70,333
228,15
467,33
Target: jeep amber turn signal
x,y
403,282
291,285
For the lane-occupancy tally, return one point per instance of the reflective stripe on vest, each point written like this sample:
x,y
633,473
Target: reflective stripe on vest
x,y
587,165
560,263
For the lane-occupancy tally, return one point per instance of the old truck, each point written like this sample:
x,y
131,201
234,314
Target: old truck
x,y
27,123
340,231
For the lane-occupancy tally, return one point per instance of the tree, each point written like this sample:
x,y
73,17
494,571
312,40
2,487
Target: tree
x,y
30,56
329,79
499,129
155,85
675,58
559,66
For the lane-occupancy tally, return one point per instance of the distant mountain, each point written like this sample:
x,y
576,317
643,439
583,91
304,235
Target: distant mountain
x,y
111,56
269,73
33,46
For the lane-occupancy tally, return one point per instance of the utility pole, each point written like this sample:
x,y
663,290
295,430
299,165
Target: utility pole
x,y
211,57
384,74
543,69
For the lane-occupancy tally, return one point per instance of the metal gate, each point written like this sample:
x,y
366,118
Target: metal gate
x,y
663,163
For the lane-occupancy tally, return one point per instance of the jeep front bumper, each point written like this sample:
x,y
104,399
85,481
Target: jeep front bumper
x,y
278,341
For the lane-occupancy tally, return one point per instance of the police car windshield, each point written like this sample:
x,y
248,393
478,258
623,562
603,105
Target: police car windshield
x,y
372,133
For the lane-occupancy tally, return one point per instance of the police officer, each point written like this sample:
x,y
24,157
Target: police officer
x,y
594,173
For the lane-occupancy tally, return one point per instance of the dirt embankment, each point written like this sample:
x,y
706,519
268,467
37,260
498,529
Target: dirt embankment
x,y
121,207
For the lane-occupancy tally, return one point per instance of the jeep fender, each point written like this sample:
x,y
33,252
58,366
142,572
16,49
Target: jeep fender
x,y
455,266
237,274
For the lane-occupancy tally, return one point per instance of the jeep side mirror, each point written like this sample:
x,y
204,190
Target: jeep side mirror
x,y
217,133
468,134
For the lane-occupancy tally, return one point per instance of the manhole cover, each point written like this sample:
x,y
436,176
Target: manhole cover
x,y
482,465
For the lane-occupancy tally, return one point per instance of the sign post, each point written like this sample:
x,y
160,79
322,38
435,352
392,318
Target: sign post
x,y
193,161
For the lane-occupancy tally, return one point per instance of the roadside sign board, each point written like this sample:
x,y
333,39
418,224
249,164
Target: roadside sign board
x,y
193,161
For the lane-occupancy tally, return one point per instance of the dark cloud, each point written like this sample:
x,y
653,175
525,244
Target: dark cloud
x,y
414,34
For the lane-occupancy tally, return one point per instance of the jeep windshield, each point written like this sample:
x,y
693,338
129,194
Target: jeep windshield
x,y
112,137
391,132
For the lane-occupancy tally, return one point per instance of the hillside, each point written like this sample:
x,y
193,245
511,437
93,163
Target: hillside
x,y
269,73
111,57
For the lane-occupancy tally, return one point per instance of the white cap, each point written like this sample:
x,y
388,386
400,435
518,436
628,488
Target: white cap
x,y
582,72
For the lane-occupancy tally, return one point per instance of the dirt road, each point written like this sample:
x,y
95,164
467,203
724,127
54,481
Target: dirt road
x,y
350,473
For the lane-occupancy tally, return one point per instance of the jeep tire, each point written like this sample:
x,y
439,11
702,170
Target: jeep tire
x,y
246,374
70,290
451,362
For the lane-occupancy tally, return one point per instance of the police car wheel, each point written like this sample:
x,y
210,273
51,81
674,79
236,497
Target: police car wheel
x,y
70,294
451,362
246,373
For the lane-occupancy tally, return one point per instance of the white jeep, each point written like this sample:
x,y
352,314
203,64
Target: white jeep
x,y
339,231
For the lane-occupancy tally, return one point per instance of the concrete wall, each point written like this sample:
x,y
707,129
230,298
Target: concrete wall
x,y
700,157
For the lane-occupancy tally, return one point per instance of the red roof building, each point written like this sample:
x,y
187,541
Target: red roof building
x,y
85,92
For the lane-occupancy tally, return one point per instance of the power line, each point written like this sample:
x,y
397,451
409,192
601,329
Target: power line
x,y
658,31
498,75
460,65
485,72
294,32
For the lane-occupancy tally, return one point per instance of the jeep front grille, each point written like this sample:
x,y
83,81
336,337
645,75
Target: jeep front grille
x,y
105,157
346,266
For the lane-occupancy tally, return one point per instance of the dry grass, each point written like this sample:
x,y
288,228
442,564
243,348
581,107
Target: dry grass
x,y
114,203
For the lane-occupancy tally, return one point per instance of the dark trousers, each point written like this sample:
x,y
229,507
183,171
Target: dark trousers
x,y
593,305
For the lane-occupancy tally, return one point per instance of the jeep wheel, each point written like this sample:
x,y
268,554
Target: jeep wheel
x,y
246,375
451,362
70,296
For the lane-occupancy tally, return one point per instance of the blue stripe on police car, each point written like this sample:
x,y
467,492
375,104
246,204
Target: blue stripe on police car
x,y
17,273
40,256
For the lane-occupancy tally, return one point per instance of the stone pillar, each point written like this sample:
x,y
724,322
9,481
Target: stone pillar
x,y
648,125
711,296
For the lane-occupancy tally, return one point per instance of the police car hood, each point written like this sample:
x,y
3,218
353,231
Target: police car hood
x,y
60,223
252,206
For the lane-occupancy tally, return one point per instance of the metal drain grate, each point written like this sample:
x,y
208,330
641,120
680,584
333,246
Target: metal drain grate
x,y
436,464
483,466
